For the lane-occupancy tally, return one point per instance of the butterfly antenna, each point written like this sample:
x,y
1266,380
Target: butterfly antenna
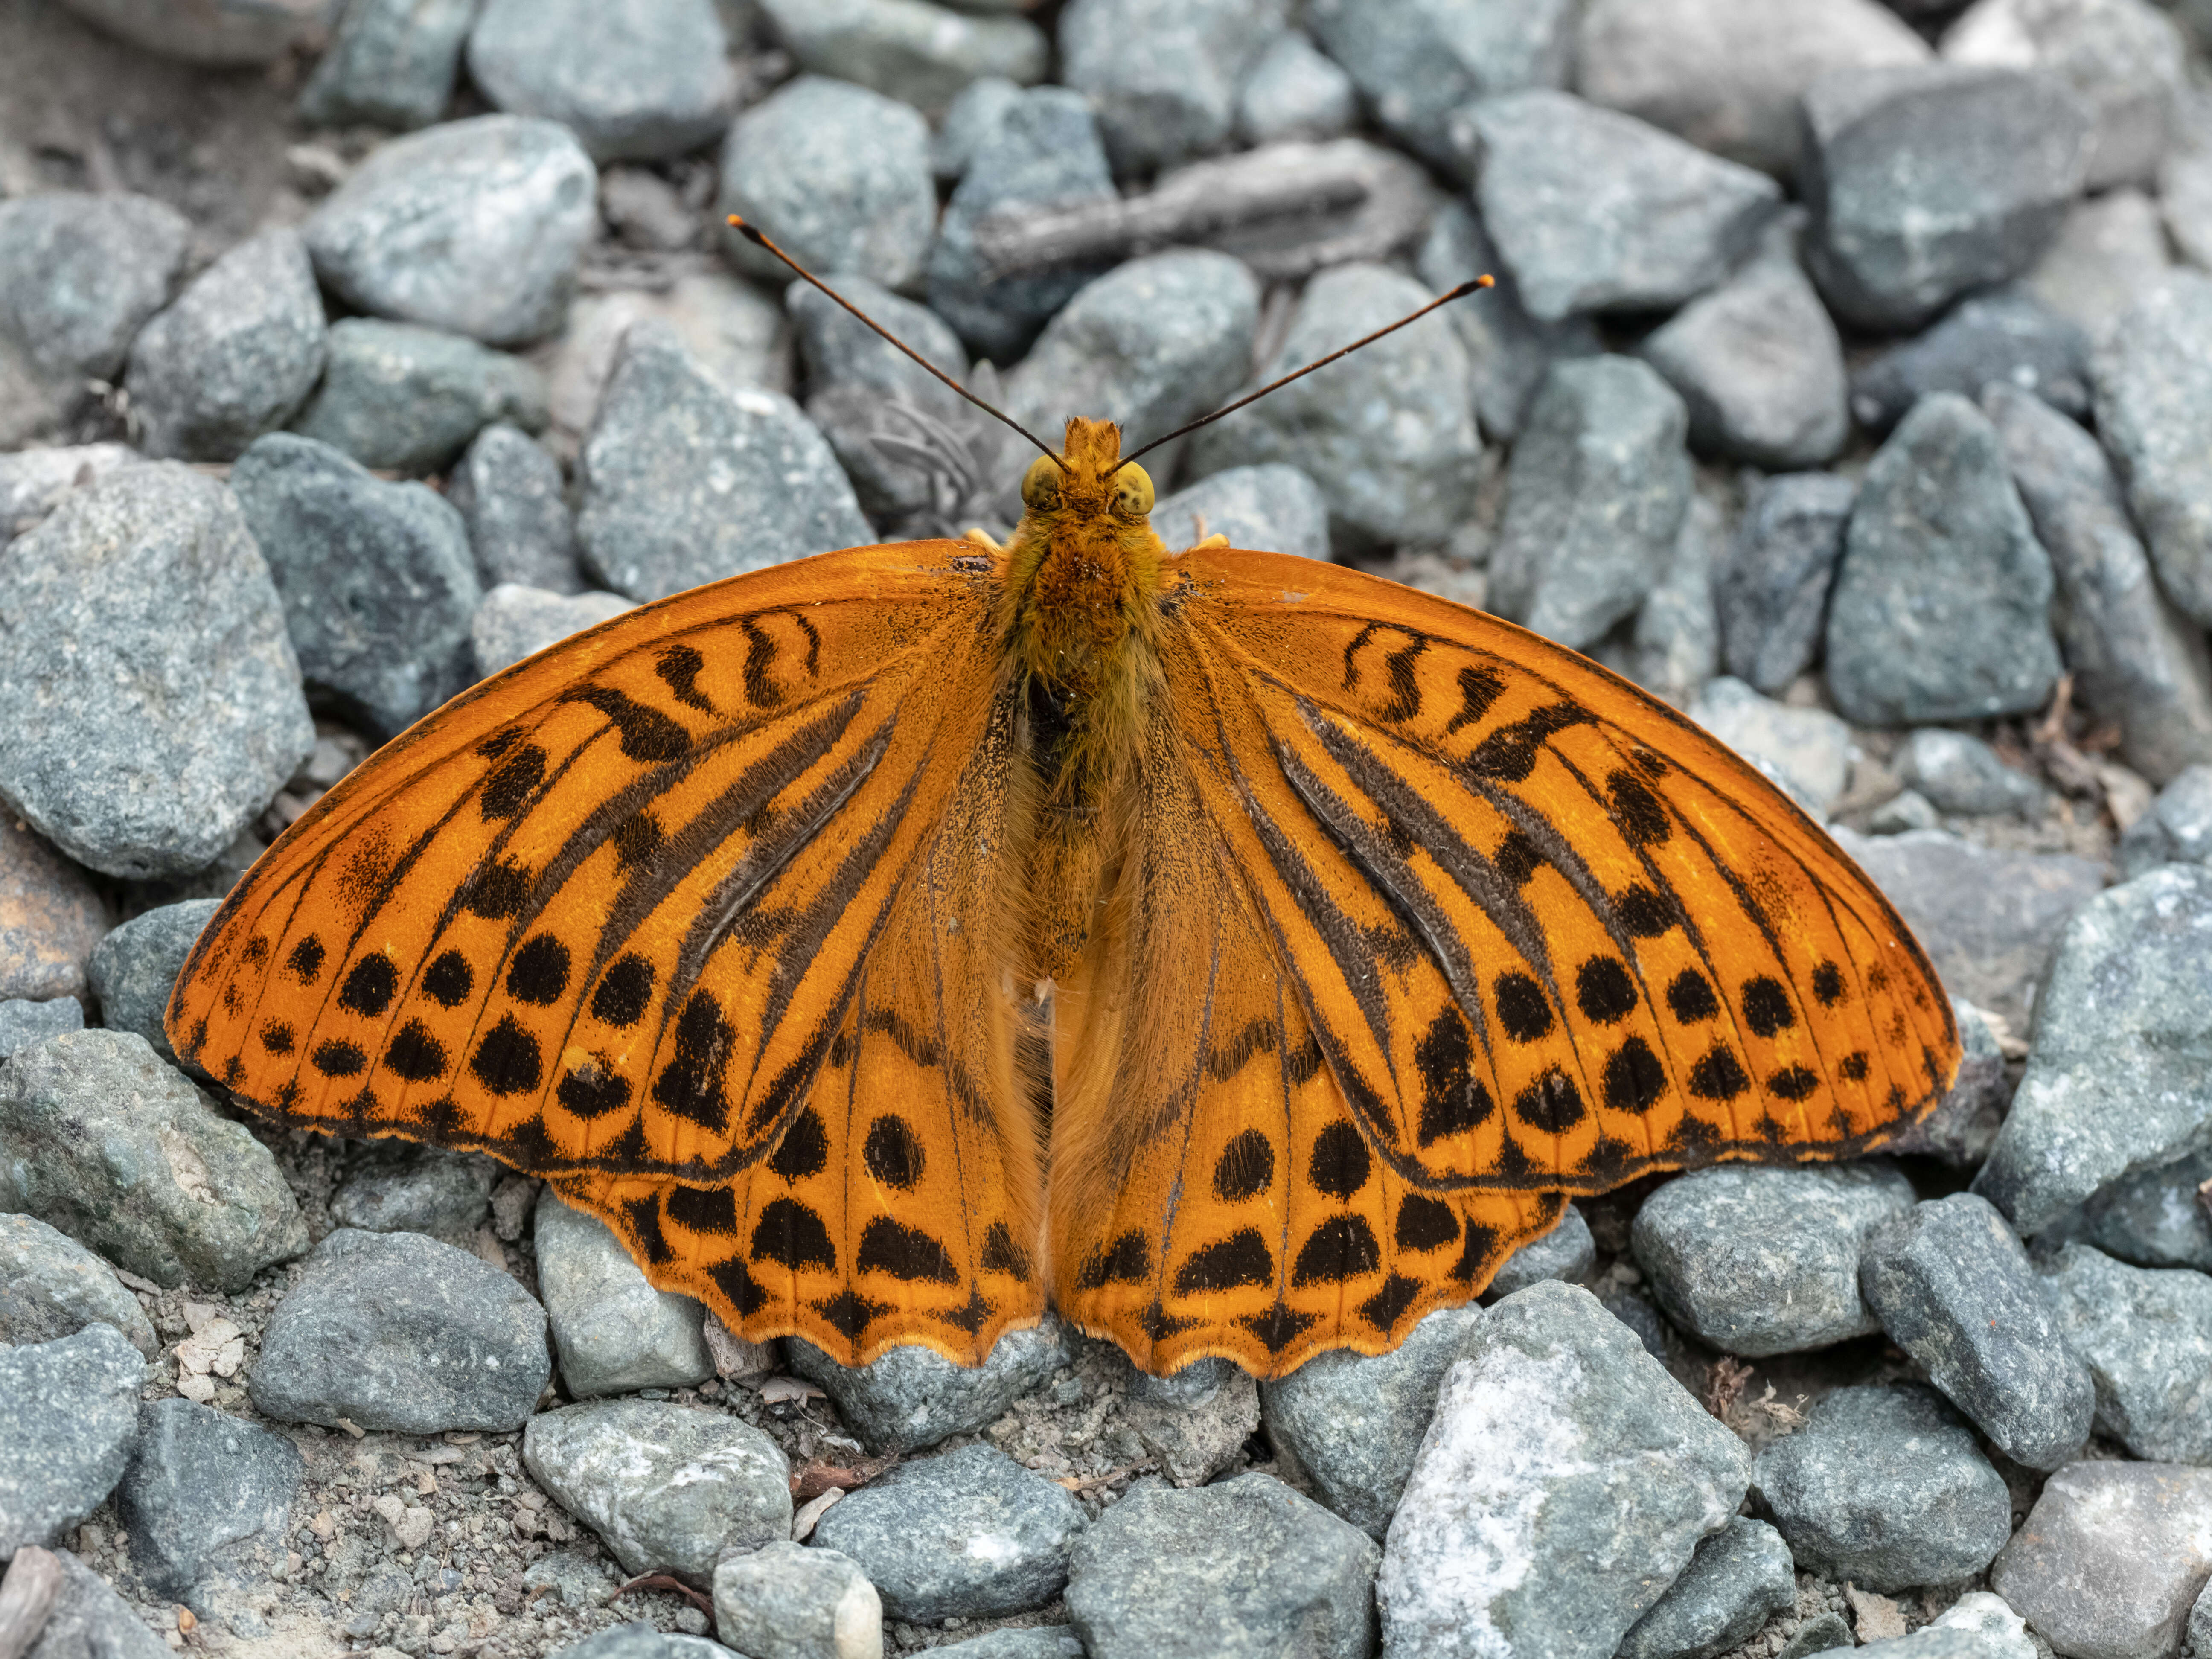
x,y
1459,293
754,235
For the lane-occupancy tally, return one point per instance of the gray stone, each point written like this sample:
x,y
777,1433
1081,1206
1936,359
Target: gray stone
x,y
1294,91
2005,335
912,1398
474,226
1963,1125
922,53
1354,1422
684,482
23,1023
1926,181
1567,1252
1193,1424
2185,190
1156,342
871,400
2152,1217
70,1409
1044,151
409,399
399,1188
1906,811
1595,499
639,1640
377,580
667,1487
1174,97
2134,657
512,622
122,1153
1418,62
51,1287
2199,1628
392,64
2177,828
234,356
2110,255
1978,1625
2145,1334
1740,1577
150,702
635,80
2116,1077
965,1534
1277,1573
1771,591
1940,609
135,968
971,116
2110,1558
1596,211
1960,772
508,491
735,333
614,1333
1275,507
1807,752
837,176
35,482
79,276
788,1602
205,1494
2121,57
1729,79
2153,385
1565,1483
1032,1641
51,917
1953,1288
1885,1487
91,1621
1676,643
398,1331
1824,1632
220,33
1387,434
1759,1261
1760,367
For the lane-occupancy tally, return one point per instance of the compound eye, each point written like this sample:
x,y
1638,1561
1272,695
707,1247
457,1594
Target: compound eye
x,y
1041,485
1133,491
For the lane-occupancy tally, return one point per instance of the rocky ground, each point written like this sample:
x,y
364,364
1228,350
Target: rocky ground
x,y
1846,384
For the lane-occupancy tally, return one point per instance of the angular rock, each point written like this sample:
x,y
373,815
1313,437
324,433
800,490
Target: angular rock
x,y
2003,334
1740,1577
1016,1642
398,1331
634,80
23,1023
972,116
205,1494
1807,750
1758,1261
135,968
737,333
509,490
150,703
2145,1334
1279,1573
51,1287
409,399
1941,608
1275,507
1885,1487
1567,1253
2177,828
221,34
392,64
71,1411
667,1487
122,1153
2115,1080
2134,657
967,1534
1960,772
787,1602
1728,80
1177,98
911,50
35,482
377,579
402,1188
2110,255
512,622
912,1398
614,1333
838,176
474,226
684,483
2110,1558
2152,1218
1979,1626
2154,386
1596,211
1771,591
1676,644
1927,180
1193,1424
51,917
1595,499
234,356
1293,91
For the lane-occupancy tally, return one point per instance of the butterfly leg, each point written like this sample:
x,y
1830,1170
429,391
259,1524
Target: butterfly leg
x,y
983,538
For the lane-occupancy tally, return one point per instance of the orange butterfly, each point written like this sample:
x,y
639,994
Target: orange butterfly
x,y
1243,953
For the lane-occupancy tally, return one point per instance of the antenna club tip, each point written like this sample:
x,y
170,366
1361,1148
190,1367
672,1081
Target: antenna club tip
x,y
751,233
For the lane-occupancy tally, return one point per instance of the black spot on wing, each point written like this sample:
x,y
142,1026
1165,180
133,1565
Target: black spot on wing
x,y
712,1211
1604,990
1509,754
1552,1104
790,1234
511,784
1479,688
1633,1080
623,991
1388,1305
1245,1168
1766,1007
679,667
591,1090
1453,1099
305,962
1425,1224
1341,1248
645,734
447,981
893,1153
414,1054
1125,1261
905,1253
1718,1076
369,986
1242,1258
1339,1163
1522,1008
805,1149
507,1060
539,973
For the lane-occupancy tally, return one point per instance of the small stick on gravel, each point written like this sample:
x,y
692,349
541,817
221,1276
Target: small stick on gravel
x,y
26,1599
664,1581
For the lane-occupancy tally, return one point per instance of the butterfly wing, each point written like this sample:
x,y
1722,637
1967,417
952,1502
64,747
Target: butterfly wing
x,y
690,915
1537,934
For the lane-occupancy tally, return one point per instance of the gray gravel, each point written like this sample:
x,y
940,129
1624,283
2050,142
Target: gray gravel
x,y
405,398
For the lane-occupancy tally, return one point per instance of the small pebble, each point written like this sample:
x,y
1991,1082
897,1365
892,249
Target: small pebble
x,y
912,50
2177,828
787,1602
634,80
392,64
512,622
508,491
2110,1557
1176,97
2144,1334
70,1409
614,1333
405,398
2153,387
1275,507
205,1492
23,1023
1771,590
912,1398
1807,750
2003,334
1567,1252
1960,774
1740,1577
